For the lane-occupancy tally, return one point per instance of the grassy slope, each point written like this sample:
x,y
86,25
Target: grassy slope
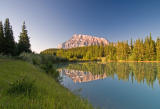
x,y
49,95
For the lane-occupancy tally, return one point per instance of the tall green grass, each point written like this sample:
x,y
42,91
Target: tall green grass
x,y
25,86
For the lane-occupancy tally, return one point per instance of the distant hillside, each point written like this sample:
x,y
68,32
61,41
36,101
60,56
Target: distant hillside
x,y
83,40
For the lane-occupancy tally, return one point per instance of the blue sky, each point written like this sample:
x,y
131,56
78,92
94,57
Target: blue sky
x,y
50,22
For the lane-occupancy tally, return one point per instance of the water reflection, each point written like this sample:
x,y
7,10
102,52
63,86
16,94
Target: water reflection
x,y
115,85
139,72
81,76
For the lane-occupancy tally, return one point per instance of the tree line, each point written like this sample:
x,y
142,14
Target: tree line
x,y
138,50
8,45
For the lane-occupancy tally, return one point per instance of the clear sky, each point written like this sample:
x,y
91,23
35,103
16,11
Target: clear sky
x,y
50,22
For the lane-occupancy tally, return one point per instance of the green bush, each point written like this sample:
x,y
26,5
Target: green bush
x,y
23,86
50,70
47,66
26,57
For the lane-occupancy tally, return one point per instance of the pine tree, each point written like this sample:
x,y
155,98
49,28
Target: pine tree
x,y
138,51
131,45
150,50
1,38
141,51
122,50
101,50
9,48
24,42
110,52
158,49
126,50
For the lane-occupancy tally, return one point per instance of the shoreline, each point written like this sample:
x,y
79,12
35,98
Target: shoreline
x,y
134,61
112,61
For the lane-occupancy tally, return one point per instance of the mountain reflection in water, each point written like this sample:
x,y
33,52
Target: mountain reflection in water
x,y
81,76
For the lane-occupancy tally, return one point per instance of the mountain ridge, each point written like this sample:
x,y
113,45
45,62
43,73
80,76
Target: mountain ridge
x,y
79,40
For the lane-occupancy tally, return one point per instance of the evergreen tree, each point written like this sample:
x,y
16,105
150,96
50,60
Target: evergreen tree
x,y
150,50
131,46
131,43
97,51
24,42
138,51
122,50
158,49
1,38
9,48
111,52
126,50
101,50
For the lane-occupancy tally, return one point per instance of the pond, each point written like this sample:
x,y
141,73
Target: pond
x,y
114,85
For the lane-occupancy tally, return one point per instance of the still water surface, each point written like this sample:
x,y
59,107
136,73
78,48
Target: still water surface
x,y
115,85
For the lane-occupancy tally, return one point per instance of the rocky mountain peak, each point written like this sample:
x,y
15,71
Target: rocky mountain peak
x,y
79,40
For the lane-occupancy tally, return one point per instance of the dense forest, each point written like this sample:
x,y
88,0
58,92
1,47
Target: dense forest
x,y
138,50
8,46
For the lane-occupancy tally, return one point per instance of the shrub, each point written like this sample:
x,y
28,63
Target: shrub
x,y
55,74
50,70
36,60
26,57
47,66
23,86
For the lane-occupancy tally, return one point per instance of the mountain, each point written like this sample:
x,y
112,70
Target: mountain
x,y
79,40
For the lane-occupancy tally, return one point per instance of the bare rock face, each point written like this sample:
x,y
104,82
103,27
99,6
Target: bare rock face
x,y
83,40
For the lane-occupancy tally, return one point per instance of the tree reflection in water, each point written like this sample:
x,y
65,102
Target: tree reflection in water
x,y
140,72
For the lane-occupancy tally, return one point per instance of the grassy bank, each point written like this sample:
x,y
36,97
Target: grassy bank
x,y
24,86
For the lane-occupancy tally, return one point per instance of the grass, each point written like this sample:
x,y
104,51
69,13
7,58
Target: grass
x,y
25,86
